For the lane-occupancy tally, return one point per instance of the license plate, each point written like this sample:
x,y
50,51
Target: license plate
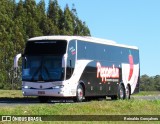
x,y
41,92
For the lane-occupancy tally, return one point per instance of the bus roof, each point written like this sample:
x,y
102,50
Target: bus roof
x,y
83,38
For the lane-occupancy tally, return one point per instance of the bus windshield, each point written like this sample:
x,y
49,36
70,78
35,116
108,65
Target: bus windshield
x,y
42,68
42,61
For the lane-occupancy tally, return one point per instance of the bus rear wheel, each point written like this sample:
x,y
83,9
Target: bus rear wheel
x,y
121,92
127,92
79,94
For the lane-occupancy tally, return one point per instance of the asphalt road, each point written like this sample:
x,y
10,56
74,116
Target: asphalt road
x,y
29,101
17,101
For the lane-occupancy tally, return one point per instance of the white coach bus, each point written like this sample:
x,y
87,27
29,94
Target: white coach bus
x,y
79,68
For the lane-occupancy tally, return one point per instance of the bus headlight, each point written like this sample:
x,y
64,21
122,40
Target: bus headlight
x,y
58,86
26,87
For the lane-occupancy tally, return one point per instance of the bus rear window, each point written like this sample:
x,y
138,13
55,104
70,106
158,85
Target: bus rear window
x,y
57,47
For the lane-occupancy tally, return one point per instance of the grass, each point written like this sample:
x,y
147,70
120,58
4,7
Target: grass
x,y
11,93
126,107
119,107
147,93
106,107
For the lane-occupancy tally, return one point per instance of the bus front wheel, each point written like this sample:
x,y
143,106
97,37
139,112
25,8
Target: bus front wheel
x,y
79,94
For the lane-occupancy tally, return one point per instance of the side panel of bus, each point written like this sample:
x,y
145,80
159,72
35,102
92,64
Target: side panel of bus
x,y
108,57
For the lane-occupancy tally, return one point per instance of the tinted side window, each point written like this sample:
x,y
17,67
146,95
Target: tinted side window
x,y
71,58
101,52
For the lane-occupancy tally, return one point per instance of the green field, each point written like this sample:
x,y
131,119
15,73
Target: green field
x,y
126,107
147,93
11,93
105,107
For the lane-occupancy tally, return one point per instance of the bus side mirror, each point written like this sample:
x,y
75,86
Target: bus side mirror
x,y
16,58
64,60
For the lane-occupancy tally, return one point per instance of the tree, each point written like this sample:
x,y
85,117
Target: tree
x,y
6,35
68,22
32,28
150,83
25,19
80,27
53,14
157,82
61,22
53,11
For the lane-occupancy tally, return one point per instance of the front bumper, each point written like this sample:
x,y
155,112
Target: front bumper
x,y
48,92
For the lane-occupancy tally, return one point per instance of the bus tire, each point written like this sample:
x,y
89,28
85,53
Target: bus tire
x,y
43,99
121,92
79,94
127,93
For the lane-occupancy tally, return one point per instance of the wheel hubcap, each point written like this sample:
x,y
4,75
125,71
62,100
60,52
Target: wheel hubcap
x,y
80,93
127,92
121,93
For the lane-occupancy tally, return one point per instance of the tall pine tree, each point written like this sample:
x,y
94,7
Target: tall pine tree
x,y
25,19
68,21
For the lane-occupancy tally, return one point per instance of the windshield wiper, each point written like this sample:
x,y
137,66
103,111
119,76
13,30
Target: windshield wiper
x,y
32,79
39,69
49,77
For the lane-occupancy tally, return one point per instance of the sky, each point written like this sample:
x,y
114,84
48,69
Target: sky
x,y
130,22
